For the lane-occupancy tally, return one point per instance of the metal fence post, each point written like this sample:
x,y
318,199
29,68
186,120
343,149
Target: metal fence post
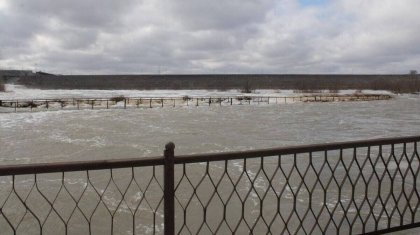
x,y
169,190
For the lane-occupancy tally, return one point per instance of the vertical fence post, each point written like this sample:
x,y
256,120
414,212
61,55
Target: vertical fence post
x,y
169,189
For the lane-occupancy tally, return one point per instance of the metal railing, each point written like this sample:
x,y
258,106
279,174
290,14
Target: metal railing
x,y
154,102
353,187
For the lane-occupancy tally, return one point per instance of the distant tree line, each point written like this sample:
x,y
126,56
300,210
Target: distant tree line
x,y
397,83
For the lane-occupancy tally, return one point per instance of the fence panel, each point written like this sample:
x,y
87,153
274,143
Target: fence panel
x,y
109,201
347,190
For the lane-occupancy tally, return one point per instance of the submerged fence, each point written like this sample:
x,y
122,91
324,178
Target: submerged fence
x,y
338,188
154,102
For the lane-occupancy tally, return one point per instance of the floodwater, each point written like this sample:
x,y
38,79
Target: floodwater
x,y
107,134
57,136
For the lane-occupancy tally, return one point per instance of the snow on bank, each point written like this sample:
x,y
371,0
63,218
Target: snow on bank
x,y
21,92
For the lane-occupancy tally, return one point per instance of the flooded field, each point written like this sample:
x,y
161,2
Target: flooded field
x,y
59,136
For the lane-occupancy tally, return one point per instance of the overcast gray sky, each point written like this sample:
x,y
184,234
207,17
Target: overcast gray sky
x,y
204,36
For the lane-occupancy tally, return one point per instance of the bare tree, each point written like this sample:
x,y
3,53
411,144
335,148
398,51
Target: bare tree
x,y
414,77
247,87
2,87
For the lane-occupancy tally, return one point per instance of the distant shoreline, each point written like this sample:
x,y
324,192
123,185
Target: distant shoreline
x,y
404,83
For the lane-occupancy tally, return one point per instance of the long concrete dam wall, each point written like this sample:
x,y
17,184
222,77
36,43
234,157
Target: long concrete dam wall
x,y
399,83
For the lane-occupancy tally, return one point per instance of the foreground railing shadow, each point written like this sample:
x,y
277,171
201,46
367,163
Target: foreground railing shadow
x,y
338,188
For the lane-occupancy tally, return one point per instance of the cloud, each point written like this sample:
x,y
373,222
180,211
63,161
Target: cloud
x,y
198,36
199,15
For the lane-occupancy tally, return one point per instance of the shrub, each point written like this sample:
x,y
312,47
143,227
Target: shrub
x,y
32,104
29,104
117,99
246,98
62,103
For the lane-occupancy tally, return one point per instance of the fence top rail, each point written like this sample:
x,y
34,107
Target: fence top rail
x,y
39,168
190,97
294,150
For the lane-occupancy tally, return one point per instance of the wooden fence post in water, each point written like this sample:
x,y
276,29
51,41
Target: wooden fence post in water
x,y
169,189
